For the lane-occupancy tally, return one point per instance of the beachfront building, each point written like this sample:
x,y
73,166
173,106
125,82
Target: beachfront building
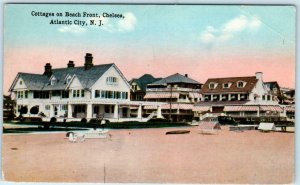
x,y
240,97
74,93
139,85
8,108
179,92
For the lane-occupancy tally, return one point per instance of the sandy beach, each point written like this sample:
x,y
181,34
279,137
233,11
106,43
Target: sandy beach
x,y
150,156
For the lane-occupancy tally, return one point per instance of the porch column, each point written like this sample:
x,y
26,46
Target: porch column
x,y
89,111
51,114
229,97
128,112
220,97
116,111
258,111
70,111
159,112
139,113
239,96
211,97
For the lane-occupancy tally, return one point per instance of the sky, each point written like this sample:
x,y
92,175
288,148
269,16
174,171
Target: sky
x,y
203,41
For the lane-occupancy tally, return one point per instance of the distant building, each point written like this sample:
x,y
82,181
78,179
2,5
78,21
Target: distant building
x,y
8,108
73,93
179,92
288,96
274,89
246,97
139,85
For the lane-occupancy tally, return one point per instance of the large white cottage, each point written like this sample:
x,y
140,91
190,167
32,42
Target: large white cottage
x,y
74,93
240,97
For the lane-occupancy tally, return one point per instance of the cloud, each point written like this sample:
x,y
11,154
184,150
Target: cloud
x,y
72,29
228,30
207,37
128,23
235,25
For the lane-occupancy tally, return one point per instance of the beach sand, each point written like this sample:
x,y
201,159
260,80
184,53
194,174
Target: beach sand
x,y
150,156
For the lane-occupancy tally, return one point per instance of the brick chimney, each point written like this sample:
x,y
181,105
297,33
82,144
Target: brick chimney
x,y
88,61
71,64
48,69
186,75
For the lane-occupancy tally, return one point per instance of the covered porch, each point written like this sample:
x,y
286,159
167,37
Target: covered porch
x,y
111,111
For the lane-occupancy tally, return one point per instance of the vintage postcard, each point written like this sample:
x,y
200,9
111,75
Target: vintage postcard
x,y
149,93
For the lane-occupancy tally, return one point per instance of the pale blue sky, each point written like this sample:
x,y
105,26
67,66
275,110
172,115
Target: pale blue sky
x,y
186,38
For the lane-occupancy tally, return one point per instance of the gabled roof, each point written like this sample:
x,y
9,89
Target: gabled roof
x,y
175,78
86,77
144,80
33,81
250,84
272,85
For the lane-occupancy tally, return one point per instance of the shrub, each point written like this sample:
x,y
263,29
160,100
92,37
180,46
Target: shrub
x,y
158,120
34,110
53,120
20,118
83,120
95,120
23,110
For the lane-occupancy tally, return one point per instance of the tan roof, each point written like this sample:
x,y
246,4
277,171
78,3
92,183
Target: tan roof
x,y
173,106
250,83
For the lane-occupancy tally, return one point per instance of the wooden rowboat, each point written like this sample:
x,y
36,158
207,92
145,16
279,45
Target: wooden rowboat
x,y
178,132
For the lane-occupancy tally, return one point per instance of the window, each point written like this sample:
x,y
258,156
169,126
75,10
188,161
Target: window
x,y
212,85
77,93
240,84
97,93
26,94
134,87
110,94
117,95
65,94
55,93
106,109
79,108
124,95
103,94
22,94
111,80
64,107
53,81
226,85
21,82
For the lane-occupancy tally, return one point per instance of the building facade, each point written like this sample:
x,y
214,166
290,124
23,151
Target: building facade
x,y
179,92
139,85
240,97
73,93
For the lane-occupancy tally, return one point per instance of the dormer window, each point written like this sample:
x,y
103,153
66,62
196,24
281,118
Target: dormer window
x,y
68,80
111,80
226,85
212,85
53,81
241,84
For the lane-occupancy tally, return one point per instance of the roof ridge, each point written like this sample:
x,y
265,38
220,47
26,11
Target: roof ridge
x,y
233,77
83,66
30,73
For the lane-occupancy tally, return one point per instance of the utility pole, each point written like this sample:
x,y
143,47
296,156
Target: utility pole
x,y
170,103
